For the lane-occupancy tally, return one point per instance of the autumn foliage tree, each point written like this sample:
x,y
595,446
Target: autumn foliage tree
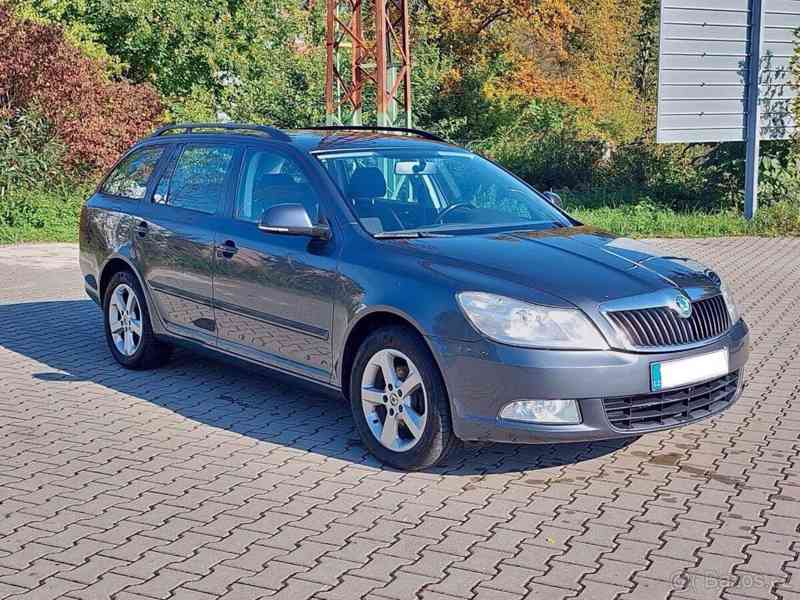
x,y
95,117
575,52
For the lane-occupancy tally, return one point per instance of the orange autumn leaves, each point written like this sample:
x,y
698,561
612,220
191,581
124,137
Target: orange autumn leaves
x,y
572,51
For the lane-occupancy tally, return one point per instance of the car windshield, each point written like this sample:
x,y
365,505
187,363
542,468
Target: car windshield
x,y
395,192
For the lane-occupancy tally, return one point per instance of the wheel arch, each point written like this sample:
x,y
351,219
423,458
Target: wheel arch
x,y
113,266
118,263
368,322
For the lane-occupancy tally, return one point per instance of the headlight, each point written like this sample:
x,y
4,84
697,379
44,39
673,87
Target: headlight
x,y
518,323
548,412
729,302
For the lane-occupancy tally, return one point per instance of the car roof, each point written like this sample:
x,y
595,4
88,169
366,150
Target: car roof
x,y
321,140
309,140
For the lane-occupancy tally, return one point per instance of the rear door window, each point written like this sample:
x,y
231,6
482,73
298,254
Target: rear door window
x,y
198,179
130,178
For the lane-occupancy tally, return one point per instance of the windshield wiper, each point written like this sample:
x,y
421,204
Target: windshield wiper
x,y
451,230
393,235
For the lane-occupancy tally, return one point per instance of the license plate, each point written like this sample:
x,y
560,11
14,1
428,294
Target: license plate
x,y
685,371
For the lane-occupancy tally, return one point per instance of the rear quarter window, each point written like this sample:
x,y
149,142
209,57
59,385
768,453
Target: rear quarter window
x,y
130,178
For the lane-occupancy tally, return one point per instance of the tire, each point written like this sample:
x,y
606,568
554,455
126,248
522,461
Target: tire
x,y
147,352
426,407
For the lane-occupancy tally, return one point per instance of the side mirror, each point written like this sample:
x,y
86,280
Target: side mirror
x,y
292,219
554,199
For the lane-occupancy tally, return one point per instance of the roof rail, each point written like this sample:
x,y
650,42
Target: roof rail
x,y
420,132
272,132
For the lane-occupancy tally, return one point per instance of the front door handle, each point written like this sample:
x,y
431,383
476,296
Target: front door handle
x,y
227,249
142,229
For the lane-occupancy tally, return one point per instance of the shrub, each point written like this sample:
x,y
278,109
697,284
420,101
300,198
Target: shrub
x,y
30,154
549,161
684,178
779,178
668,175
39,214
95,117
780,218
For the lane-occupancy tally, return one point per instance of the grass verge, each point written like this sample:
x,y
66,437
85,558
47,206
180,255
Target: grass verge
x,y
41,215
646,220
53,215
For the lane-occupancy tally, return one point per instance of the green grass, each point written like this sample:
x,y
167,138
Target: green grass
x,y
52,216
663,223
41,215
646,220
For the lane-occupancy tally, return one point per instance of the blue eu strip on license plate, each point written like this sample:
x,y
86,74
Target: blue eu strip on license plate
x,y
655,377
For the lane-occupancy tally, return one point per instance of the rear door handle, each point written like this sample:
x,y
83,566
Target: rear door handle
x,y
227,249
142,229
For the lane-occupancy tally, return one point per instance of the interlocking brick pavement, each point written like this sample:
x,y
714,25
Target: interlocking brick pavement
x,y
201,480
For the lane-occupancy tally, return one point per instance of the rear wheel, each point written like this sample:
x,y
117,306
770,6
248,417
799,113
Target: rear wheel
x,y
127,325
399,400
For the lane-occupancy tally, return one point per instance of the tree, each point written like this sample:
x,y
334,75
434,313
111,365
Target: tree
x,y
95,117
253,59
576,52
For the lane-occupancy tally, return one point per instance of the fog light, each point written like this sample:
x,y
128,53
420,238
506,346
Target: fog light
x,y
553,412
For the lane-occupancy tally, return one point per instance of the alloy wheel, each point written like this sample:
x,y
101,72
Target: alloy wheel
x,y
394,400
125,320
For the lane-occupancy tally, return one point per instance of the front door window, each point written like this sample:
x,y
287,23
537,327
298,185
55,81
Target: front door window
x,y
268,179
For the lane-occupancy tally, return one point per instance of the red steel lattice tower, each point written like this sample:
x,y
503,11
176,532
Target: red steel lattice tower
x,y
381,60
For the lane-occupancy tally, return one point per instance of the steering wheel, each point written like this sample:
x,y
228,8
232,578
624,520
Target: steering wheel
x,y
451,208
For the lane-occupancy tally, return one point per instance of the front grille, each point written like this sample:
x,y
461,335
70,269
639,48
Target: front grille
x,y
673,407
661,327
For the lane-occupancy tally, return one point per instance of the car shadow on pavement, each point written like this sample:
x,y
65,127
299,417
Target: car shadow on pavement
x,y
66,339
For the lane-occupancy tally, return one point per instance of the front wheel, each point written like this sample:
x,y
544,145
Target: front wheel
x,y
399,401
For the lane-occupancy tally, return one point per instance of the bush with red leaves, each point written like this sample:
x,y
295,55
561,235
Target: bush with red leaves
x,y
97,118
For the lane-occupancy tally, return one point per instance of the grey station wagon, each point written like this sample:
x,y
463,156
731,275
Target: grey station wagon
x,y
445,298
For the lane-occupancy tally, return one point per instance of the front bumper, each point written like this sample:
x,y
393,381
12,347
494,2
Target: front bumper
x,y
482,377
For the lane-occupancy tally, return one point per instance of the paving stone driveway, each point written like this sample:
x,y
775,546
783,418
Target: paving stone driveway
x,y
202,480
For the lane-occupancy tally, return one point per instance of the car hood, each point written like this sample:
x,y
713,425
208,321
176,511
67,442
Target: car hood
x,y
580,265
